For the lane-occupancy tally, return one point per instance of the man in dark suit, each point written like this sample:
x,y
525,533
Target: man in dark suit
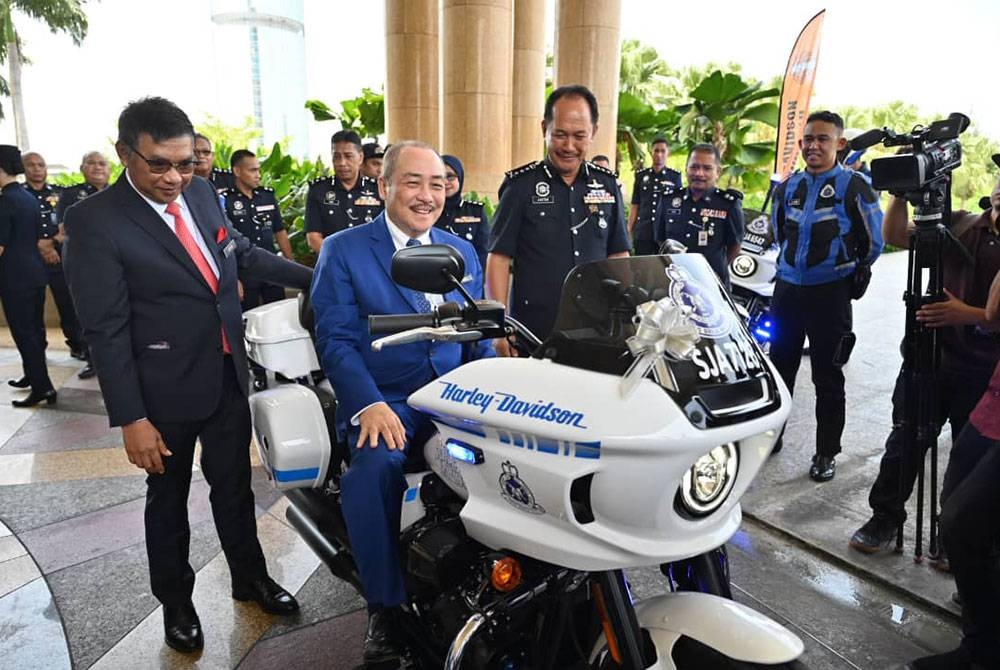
x,y
152,266
353,280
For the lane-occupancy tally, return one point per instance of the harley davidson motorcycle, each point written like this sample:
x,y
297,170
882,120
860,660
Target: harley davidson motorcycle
x,y
753,273
625,440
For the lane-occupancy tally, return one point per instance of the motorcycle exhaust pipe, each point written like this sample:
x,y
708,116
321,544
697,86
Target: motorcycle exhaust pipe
x,y
332,553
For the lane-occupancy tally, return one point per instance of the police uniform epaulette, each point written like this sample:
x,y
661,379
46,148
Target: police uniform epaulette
x,y
265,189
524,169
226,191
223,170
319,179
472,202
600,168
732,194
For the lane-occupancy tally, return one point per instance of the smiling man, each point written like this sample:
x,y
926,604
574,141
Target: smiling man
x,y
829,225
151,262
553,215
352,282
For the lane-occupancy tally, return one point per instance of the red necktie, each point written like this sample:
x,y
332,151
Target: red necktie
x,y
187,241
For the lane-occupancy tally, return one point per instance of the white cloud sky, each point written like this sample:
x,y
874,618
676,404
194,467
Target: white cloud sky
x,y
872,53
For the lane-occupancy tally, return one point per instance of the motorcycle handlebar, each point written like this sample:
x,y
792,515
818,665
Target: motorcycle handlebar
x,y
381,324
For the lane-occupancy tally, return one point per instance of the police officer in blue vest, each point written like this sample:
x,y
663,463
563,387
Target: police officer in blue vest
x,y
345,199
705,219
647,192
254,211
221,179
50,246
553,215
829,226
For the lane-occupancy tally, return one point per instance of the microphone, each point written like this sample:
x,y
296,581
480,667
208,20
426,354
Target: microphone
x,y
869,138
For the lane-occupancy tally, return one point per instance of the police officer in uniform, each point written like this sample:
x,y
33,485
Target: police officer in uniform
x,y
344,200
373,157
554,215
464,218
203,151
23,277
254,211
646,194
705,219
96,174
50,246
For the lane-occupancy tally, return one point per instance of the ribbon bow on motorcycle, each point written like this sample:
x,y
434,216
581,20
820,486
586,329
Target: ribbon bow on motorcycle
x,y
663,328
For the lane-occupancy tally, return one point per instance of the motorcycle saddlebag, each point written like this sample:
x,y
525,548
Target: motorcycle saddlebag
x,y
292,435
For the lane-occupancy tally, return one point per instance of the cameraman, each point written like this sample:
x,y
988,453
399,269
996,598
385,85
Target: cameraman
x,y
968,355
828,223
970,522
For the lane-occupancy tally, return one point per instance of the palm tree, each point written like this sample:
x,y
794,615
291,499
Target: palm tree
x,y
66,16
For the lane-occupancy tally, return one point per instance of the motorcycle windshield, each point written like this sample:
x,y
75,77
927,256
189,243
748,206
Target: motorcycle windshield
x,y
724,381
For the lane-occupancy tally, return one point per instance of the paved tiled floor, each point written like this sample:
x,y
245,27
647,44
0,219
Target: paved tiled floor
x,y
74,589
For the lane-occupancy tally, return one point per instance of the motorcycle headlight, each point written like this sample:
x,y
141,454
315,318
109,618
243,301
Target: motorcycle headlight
x,y
744,266
707,484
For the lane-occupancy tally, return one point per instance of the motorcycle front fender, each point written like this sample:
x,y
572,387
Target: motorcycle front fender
x,y
728,627
724,625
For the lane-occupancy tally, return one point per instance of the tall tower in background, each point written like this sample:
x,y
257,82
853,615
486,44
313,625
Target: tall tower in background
x,y
261,64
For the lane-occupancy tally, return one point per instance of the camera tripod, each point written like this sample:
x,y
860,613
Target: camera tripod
x,y
922,356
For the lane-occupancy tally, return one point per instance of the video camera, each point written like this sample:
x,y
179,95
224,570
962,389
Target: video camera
x,y
936,151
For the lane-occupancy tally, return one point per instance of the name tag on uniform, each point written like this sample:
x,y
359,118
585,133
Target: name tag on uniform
x,y
265,208
228,250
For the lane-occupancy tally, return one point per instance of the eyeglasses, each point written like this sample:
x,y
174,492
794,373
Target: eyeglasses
x,y
161,166
451,177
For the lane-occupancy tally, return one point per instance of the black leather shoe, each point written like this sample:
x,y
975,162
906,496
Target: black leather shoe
x,y
79,353
35,397
823,468
21,383
181,628
380,644
877,534
268,594
88,371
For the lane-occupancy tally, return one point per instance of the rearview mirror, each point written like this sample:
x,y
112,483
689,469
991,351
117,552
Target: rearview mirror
x,y
428,268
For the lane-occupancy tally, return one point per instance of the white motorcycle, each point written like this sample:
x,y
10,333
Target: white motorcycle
x,y
753,273
625,440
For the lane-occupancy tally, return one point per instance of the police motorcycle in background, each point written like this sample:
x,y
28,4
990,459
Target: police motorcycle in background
x,y
626,440
753,273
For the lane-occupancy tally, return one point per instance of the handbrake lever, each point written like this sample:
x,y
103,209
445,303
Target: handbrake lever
x,y
441,333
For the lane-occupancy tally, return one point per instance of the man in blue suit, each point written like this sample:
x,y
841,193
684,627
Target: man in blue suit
x,y
351,282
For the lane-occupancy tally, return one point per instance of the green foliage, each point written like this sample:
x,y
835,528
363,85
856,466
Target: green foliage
x,y
61,16
364,114
226,138
76,177
290,178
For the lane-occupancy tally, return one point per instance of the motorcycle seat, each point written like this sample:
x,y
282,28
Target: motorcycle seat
x,y
307,317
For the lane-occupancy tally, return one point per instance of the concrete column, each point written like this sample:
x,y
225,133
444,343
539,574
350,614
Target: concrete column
x,y
529,81
588,52
477,57
411,58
